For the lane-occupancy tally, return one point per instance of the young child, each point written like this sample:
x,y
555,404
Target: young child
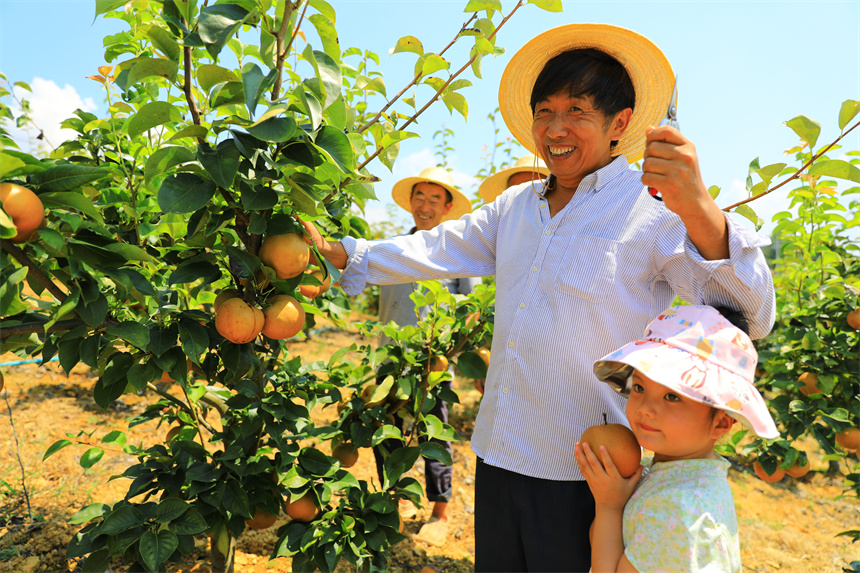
x,y
688,380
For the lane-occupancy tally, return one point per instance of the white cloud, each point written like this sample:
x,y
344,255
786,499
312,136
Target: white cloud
x,y
50,105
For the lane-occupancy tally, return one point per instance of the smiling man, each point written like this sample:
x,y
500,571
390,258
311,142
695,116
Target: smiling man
x,y
431,198
583,262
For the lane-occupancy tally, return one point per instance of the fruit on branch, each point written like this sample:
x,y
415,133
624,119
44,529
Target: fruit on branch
x,y
284,317
288,254
484,353
346,453
619,441
261,520
810,383
849,439
438,363
777,475
304,508
172,432
313,291
224,295
24,207
854,319
797,470
238,321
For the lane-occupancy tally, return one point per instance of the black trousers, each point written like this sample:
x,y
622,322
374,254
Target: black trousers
x,y
437,475
530,524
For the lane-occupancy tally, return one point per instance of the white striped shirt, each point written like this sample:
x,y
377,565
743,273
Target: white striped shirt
x,y
569,290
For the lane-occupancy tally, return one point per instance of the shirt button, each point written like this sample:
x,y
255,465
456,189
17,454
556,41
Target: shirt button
x,y
511,344
534,269
522,305
505,391
548,233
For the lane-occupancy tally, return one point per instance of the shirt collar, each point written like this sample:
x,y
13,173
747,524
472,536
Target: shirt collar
x,y
598,179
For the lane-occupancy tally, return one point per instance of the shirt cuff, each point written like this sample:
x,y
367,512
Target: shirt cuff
x,y
741,241
353,279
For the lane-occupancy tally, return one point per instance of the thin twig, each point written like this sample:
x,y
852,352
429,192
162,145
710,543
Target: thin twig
x,y
417,77
189,97
33,268
794,175
179,403
280,51
39,328
18,455
441,89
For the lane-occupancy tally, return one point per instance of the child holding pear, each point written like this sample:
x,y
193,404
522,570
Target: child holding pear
x,y
688,379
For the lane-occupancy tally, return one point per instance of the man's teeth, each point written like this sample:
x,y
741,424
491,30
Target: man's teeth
x,y
560,150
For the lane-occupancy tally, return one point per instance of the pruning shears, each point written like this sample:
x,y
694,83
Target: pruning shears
x,y
671,120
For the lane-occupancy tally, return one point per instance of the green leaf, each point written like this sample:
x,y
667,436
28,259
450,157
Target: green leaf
x,y
396,137
329,73
136,70
164,41
429,64
105,6
75,201
114,438
194,269
131,331
472,366
548,5
384,433
807,129
836,168
274,129
476,62
121,519
228,93
131,252
67,177
324,8
189,523
194,337
169,509
152,115
328,35
255,84
476,5
185,193
221,163
714,191
436,451
453,101
335,144
768,172
156,548
14,162
747,211
217,24
191,131
165,158
849,109
90,512
210,75
408,44
56,447
91,457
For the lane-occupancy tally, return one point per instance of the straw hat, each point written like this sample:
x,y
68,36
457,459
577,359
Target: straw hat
x,y
402,191
495,184
646,65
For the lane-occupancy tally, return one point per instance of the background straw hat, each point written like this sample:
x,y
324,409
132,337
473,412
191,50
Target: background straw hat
x,y
403,190
495,184
647,66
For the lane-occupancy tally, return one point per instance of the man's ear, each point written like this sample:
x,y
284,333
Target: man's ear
x,y
721,425
620,123
447,208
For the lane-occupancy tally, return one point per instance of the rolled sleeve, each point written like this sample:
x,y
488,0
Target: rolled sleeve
x,y
353,279
743,280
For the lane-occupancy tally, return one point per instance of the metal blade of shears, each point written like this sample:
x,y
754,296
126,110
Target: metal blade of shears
x,y
671,120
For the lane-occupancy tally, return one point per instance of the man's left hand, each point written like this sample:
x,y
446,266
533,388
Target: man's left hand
x,y
671,166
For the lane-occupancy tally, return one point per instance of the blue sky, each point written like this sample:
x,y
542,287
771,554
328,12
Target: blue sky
x,y
744,68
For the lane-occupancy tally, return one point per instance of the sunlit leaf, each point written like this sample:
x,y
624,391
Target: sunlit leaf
x,y
408,44
210,75
217,24
105,6
848,111
336,145
152,115
165,42
430,63
807,129
135,70
56,447
747,211
275,129
91,457
164,159
836,168
255,84
67,177
90,512
74,201
548,5
327,34
221,163
714,191
184,193
475,5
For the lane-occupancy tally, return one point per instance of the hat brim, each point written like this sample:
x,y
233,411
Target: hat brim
x,y
647,66
402,193
690,376
497,183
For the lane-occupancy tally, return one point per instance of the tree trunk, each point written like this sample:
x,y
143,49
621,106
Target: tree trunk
x,y
222,563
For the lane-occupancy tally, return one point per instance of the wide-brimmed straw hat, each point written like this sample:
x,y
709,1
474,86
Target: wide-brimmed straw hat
x,y
495,184
696,353
402,191
647,66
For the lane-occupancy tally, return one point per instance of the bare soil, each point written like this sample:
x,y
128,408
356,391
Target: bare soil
x,y
789,526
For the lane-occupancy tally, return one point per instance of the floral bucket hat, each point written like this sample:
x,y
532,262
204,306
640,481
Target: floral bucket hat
x,y
697,353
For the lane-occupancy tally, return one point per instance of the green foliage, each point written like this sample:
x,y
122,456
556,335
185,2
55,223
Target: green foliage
x,y
226,123
817,279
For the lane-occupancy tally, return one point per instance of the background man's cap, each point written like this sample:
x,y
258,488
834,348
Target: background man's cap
x,y
647,66
695,352
402,191
495,184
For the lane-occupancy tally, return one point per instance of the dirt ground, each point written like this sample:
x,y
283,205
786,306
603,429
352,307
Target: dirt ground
x,y
790,526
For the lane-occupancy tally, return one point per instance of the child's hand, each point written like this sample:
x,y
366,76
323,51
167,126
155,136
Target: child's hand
x,y
608,487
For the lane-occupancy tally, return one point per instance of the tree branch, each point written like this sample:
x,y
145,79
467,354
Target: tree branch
x,y
794,175
33,269
415,79
445,85
38,328
281,52
189,97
